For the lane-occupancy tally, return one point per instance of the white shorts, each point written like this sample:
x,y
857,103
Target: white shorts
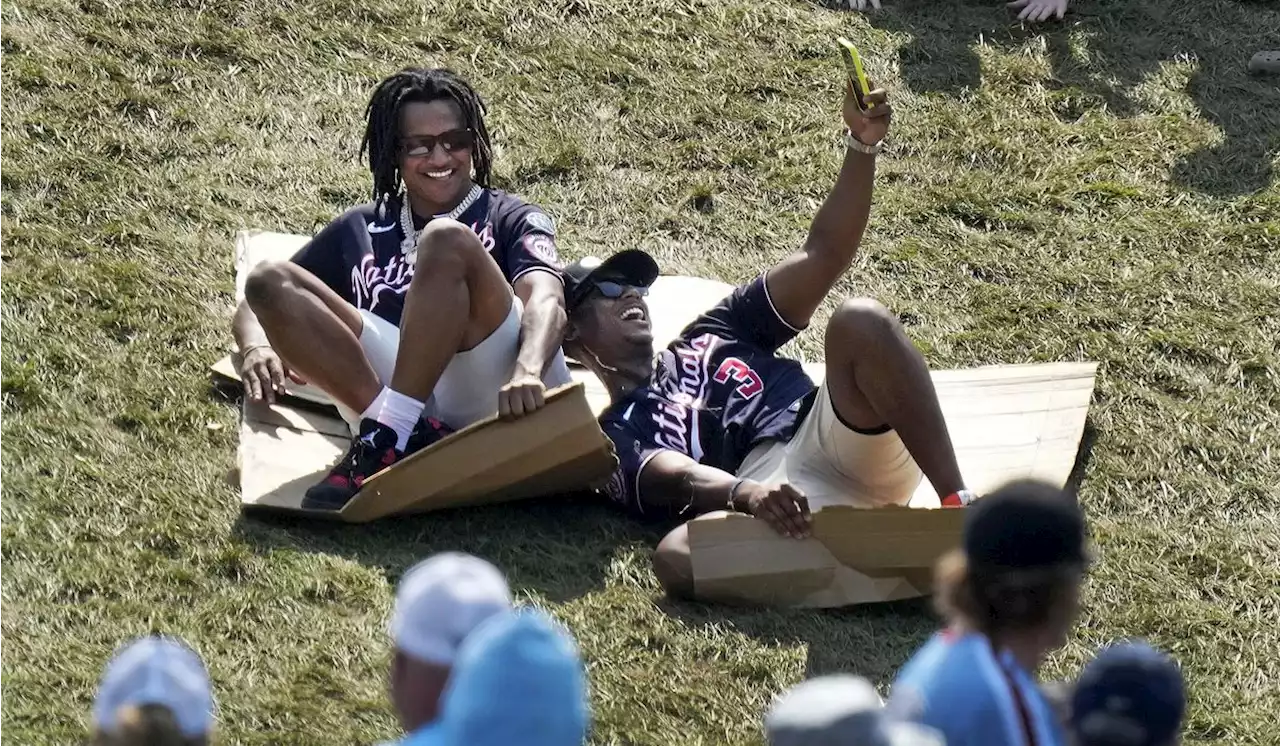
x,y
833,464
467,392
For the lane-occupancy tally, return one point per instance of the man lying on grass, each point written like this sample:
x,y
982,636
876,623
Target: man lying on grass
x,y
464,274
719,421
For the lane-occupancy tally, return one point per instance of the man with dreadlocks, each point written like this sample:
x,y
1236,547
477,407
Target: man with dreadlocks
x,y
466,275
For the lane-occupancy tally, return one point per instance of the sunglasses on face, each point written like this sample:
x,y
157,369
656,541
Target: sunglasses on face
x,y
421,146
610,289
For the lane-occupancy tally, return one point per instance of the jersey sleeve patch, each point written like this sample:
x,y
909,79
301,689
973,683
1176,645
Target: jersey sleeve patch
x,y
540,221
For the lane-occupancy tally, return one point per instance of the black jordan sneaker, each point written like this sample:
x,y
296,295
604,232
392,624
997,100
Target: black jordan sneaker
x,y
428,431
371,452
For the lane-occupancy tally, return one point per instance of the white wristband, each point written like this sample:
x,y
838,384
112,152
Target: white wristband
x,y
854,143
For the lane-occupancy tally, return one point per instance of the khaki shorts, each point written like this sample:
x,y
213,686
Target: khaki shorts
x,y
833,464
468,390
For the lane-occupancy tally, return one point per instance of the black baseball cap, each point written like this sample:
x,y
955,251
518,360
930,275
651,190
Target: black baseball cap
x,y
1025,524
629,267
1131,688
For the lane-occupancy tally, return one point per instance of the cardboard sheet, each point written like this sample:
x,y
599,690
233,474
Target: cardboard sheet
x,y
1005,422
284,450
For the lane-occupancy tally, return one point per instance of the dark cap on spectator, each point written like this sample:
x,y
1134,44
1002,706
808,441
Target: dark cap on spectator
x,y
629,267
1130,693
1024,525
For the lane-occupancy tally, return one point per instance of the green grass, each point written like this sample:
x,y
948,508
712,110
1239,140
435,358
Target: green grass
x,y
1103,190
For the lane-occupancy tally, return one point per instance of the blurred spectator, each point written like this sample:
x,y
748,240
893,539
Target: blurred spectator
x,y
1009,597
1058,695
439,601
1129,695
1027,10
518,681
154,692
840,710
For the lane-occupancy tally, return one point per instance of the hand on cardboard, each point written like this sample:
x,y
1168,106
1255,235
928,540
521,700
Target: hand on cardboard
x,y
1039,10
263,374
523,394
782,506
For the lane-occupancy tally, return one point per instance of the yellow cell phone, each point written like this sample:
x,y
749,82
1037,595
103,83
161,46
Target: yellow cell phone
x,y
853,66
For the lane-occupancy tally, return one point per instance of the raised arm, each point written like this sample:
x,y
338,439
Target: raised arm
x,y
800,282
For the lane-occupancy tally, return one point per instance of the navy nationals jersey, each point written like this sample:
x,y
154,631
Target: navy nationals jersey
x,y
358,254
717,391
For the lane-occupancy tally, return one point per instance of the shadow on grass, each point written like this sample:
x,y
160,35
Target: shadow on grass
x,y
1100,56
871,640
1083,455
559,548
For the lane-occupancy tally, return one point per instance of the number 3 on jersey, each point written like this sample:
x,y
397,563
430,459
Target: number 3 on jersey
x,y
741,373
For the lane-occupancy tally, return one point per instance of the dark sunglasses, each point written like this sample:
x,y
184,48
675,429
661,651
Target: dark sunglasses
x,y
610,289
423,145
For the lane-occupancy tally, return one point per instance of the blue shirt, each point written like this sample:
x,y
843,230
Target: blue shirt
x,y
716,392
974,695
358,254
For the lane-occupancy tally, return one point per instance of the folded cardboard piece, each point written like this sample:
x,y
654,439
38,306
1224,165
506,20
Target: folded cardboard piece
x,y
284,450
1005,422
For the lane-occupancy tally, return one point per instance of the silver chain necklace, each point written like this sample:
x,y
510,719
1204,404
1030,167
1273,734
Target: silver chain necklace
x,y
409,244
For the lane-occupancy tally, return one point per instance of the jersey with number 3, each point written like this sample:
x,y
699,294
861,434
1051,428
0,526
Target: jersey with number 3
x,y
717,391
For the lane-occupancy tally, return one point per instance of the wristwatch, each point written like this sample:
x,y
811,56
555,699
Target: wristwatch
x,y
854,143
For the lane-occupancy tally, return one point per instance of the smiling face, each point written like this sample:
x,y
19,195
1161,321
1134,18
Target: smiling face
x,y
435,157
615,332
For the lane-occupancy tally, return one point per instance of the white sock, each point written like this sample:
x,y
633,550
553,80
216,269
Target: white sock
x,y
400,413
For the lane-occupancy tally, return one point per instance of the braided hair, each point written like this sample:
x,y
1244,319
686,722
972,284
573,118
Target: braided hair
x,y
382,129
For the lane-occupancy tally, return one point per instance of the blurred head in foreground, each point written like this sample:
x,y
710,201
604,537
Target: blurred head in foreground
x,y
1129,695
1019,571
840,710
154,692
439,602
519,679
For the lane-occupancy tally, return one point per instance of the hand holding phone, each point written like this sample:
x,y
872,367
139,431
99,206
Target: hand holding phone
x,y
867,112
857,76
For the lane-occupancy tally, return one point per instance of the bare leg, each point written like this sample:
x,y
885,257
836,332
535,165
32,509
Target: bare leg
x,y
877,377
314,331
457,298
672,565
